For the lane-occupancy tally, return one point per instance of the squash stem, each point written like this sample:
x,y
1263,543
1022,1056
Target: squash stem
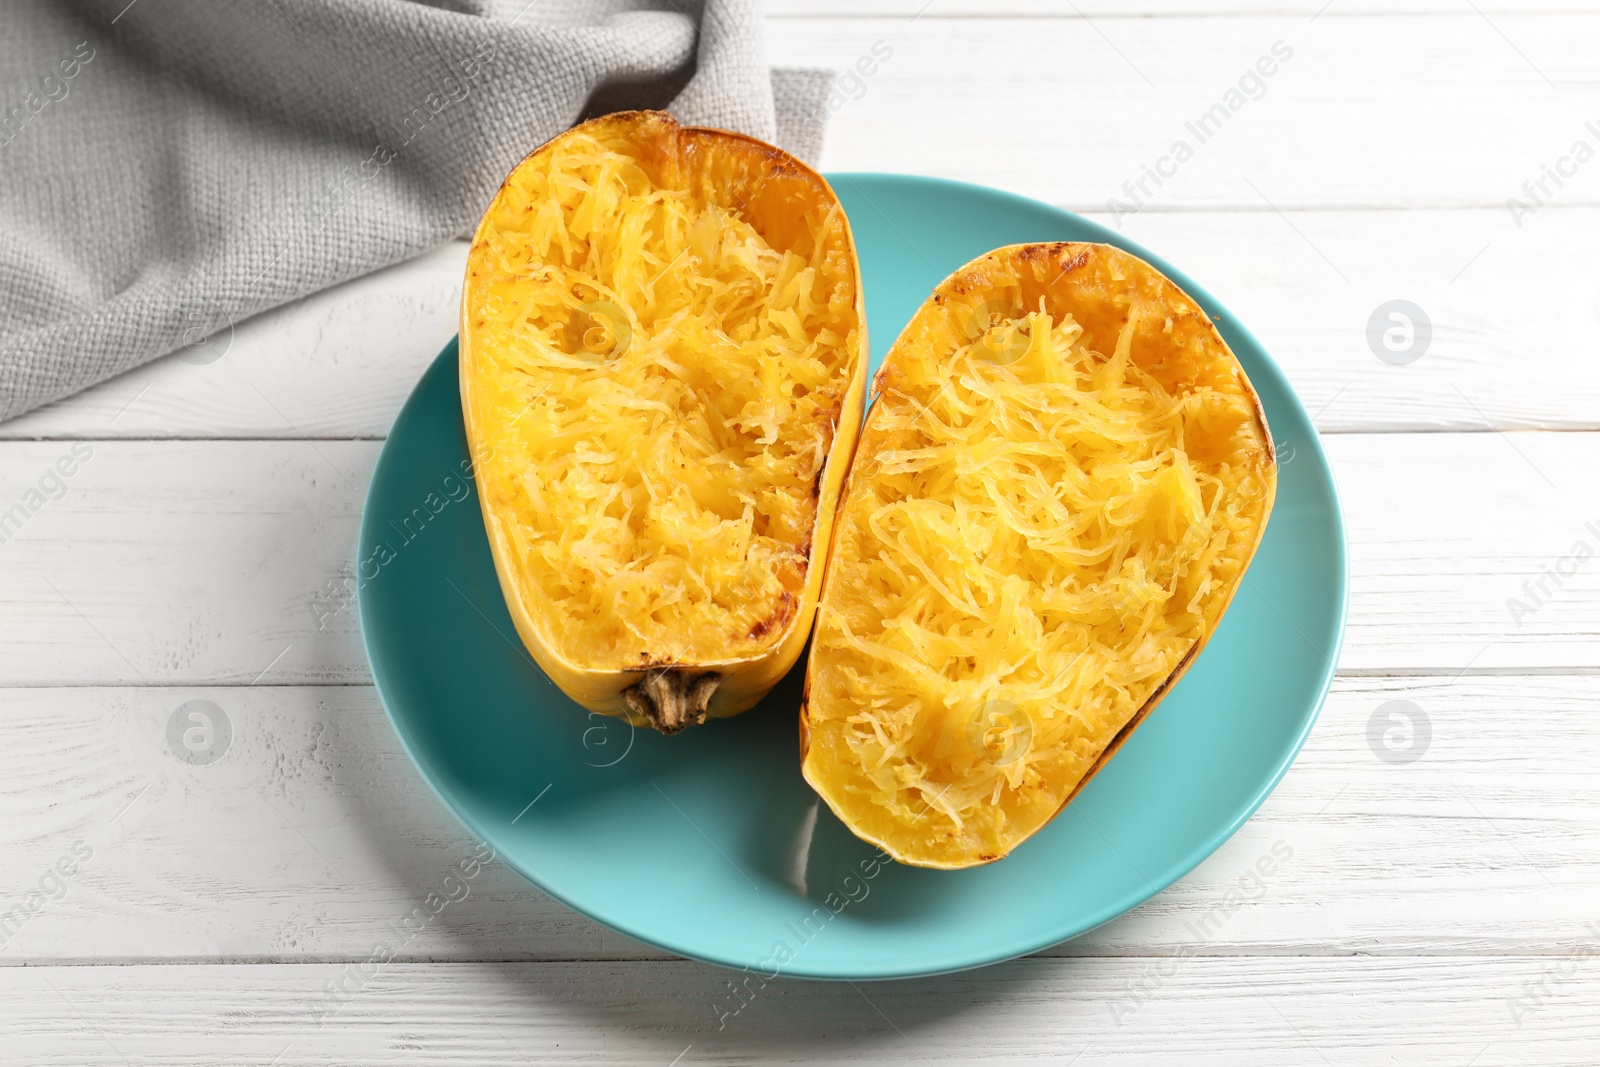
x,y
672,699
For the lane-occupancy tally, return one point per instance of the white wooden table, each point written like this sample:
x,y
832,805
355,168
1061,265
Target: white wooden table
x,y
1442,909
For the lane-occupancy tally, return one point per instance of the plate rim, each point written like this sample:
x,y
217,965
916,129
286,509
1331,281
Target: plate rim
x,y
1020,945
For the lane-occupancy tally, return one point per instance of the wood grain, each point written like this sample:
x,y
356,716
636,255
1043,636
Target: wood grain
x,y
1390,111
1440,911
314,835
1125,9
1234,1012
337,364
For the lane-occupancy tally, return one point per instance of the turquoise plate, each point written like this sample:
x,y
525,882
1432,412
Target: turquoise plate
x,y
710,844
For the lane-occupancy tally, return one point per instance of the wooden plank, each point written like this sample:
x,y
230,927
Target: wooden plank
x,y
181,559
339,364
1238,1012
1123,9
1458,544
1314,314
312,836
1355,112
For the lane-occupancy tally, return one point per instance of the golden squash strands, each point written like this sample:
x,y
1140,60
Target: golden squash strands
x,y
1059,487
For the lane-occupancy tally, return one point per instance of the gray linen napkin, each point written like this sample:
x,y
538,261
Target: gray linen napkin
x,y
170,167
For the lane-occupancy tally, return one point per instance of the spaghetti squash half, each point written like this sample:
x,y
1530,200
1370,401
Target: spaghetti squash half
x,y
663,360
1062,479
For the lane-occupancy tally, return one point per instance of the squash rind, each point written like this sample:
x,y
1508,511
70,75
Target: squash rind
x,y
1071,277
668,692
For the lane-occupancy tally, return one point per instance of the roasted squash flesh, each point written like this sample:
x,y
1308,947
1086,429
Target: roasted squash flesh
x,y
1061,481
662,343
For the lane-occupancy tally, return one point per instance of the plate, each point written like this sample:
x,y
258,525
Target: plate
x,y
709,844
